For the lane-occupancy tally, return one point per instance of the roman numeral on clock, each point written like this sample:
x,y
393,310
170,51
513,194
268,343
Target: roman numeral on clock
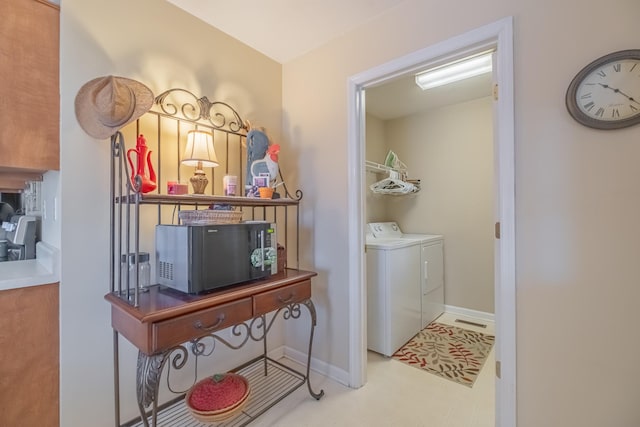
x,y
589,106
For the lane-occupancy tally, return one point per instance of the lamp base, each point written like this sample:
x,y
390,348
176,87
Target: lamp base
x,y
199,182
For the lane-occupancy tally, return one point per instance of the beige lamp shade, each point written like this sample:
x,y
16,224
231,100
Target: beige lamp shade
x,y
199,149
199,152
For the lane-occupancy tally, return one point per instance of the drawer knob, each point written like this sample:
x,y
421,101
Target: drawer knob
x,y
287,299
198,324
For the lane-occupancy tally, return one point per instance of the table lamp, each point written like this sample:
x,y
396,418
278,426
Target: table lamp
x,y
199,153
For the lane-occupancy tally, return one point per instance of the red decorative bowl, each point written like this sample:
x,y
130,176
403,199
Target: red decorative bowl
x,y
218,397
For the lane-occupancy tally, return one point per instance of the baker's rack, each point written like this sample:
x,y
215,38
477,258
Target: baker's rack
x,y
172,115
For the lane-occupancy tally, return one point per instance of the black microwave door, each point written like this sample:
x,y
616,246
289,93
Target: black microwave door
x,y
227,255
225,258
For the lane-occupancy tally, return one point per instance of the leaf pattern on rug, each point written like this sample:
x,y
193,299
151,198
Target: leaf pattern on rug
x,y
448,351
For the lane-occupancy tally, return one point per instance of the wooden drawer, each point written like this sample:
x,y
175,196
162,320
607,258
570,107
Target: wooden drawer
x,y
277,298
178,330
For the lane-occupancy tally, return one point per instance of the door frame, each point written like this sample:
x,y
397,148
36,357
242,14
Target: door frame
x,y
498,34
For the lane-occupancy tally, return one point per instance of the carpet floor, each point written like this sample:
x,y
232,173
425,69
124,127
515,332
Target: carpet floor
x,y
450,352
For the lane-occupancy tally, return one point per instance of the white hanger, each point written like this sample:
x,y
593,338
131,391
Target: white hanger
x,y
393,185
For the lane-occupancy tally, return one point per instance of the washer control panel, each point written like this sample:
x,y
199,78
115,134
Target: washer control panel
x,y
385,229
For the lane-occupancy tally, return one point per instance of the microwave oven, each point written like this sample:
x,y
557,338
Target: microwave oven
x,y
200,258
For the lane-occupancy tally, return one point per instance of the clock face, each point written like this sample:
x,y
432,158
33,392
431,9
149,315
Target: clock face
x,y
606,93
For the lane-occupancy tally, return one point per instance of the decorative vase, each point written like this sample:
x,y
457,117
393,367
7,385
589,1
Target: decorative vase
x,y
147,183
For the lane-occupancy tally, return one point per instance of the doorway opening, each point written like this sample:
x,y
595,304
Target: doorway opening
x,y
498,36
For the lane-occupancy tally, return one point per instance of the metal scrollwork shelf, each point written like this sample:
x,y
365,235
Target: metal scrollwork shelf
x,y
170,328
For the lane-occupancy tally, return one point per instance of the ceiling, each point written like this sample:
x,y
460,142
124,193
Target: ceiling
x,y
286,29
402,97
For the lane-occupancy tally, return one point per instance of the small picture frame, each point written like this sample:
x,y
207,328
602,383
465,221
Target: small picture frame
x,y
261,181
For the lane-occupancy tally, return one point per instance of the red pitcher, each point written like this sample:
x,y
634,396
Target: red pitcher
x,y
143,156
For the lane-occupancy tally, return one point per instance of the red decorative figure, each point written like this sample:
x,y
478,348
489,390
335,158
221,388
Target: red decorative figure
x,y
143,157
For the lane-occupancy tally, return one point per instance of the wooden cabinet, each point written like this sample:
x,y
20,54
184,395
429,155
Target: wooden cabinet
x,y
29,356
29,90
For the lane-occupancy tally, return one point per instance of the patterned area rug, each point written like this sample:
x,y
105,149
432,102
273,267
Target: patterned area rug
x,y
447,351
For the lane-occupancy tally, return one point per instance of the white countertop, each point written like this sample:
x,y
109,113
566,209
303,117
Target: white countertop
x,y
40,271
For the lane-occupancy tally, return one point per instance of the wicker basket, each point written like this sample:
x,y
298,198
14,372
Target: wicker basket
x,y
219,414
209,216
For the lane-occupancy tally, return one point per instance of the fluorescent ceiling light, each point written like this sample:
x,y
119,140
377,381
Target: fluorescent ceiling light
x,y
454,71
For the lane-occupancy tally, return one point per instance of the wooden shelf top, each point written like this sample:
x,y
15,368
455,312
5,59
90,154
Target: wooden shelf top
x,y
196,199
160,303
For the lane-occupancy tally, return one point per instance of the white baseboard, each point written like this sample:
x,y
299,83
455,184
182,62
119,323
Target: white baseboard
x,y
317,365
475,314
276,353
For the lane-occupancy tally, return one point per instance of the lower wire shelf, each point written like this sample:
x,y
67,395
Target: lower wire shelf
x,y
266,391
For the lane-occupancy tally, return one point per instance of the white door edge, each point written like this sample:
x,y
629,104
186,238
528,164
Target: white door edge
x,y
500,35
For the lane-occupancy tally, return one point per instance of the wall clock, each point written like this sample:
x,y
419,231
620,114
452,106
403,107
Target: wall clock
x,y
606,93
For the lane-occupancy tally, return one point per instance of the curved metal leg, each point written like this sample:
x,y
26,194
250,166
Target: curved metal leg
x,y
148,371
312,311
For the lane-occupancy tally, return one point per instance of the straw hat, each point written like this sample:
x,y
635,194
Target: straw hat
x,y
106,104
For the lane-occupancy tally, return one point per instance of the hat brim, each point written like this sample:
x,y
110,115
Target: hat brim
x,y
88,116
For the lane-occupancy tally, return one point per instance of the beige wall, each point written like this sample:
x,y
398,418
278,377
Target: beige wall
x,y
163,47
576,188
450,149
577,198
376,150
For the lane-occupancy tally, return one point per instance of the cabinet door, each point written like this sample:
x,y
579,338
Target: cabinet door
x,y
29,378
29,92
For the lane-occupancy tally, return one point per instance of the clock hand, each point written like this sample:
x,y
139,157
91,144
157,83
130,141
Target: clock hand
x,y
630,98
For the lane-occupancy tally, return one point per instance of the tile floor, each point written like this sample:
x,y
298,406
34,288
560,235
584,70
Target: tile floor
x,y
395,395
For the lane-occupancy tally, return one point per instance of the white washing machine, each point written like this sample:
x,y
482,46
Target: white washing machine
x,y
405,285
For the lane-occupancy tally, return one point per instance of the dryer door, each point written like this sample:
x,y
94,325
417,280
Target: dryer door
x,y
432,281
432,266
